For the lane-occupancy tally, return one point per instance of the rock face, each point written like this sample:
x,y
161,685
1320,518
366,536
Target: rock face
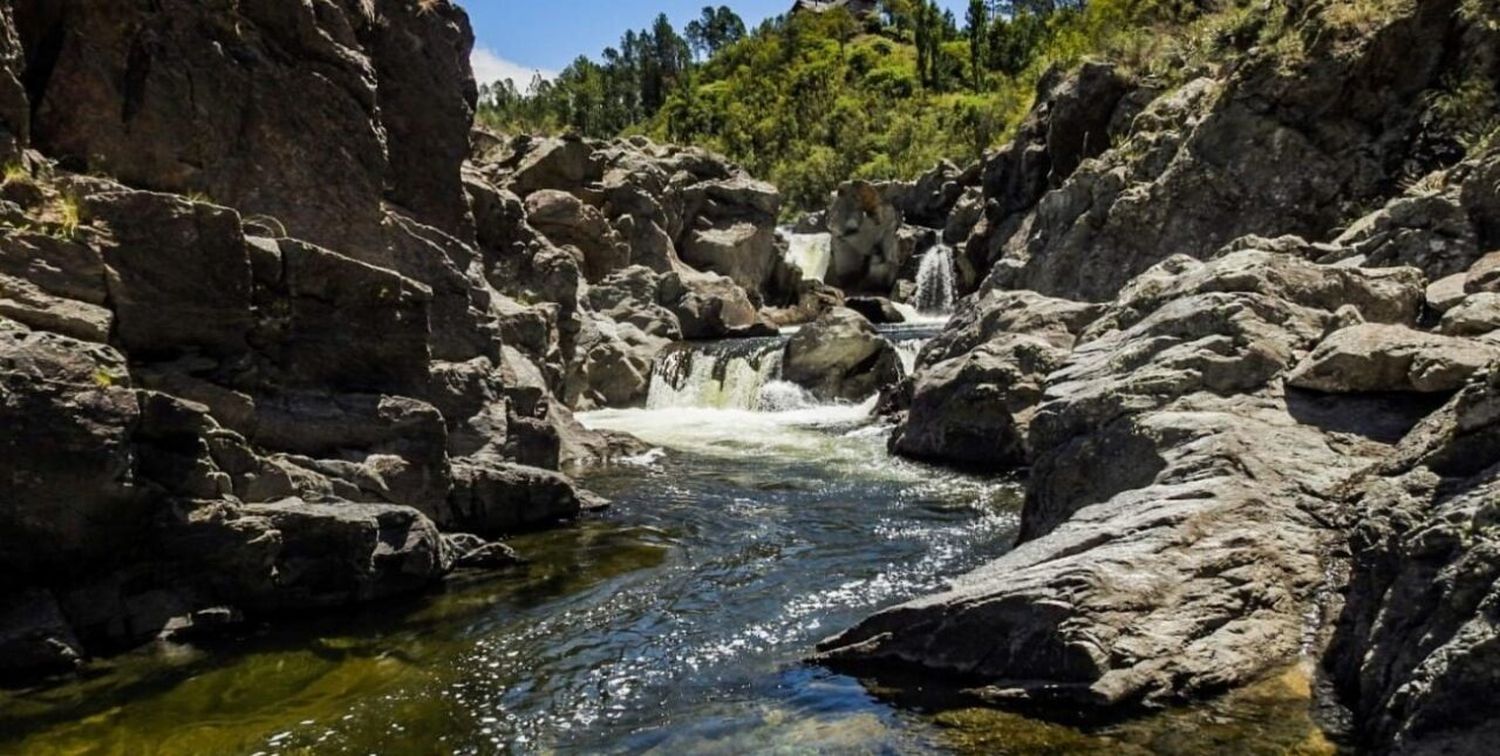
x,y
277,400
841,357
1415,648
1164,446
1372,358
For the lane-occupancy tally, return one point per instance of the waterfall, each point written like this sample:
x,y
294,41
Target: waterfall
x,y
745,374
809,252
720,374
935,281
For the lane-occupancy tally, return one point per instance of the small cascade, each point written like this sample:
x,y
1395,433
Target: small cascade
x,y
811,253
935,281
745,374
718,375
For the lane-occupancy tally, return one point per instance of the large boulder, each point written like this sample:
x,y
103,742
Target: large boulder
x,y
974,409
841,357
867,254
494,498
1371,357
569,223
340,554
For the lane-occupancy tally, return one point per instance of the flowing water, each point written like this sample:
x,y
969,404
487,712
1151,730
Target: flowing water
x,y
812,253
936,286
676,622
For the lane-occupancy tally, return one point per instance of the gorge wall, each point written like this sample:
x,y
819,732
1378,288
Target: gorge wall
x,y
280,332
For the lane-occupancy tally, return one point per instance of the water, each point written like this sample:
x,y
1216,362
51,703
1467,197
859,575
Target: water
x,y
676,622
936,288
744,374
812,253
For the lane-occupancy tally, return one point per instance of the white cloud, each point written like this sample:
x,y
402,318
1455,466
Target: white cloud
x,y
489,68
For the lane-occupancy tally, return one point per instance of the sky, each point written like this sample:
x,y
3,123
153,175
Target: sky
x,y
516,38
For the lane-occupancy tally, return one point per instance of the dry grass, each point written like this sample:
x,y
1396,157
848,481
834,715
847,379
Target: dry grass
x,y
1364,16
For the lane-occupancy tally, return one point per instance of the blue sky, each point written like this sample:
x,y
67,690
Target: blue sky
x,y
517,37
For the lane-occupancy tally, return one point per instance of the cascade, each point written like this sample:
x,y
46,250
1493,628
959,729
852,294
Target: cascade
x,y
809,252
745,374
935,281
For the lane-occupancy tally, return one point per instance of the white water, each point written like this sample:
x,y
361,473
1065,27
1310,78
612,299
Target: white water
x,y
935,281
811,253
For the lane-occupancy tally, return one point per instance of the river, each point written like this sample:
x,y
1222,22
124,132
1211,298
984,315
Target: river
x,y
676,622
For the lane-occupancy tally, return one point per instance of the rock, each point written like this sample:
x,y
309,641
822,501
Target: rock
x,y
866,252
68,500
347,325
877,310
1165,450
1379,295
1162,181
35,638
381,448
729,228
1428,232
251,126
564,164
613,368
841,357
979,319
1414,650
632,296
973,410
493,499
178,273
967,213
1484,275
339,554
706,305
490,556
567,222
1446,293
26,303
1475,315
1373,357
15,109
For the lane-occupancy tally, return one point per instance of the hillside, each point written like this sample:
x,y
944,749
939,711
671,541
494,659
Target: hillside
x,y
811,99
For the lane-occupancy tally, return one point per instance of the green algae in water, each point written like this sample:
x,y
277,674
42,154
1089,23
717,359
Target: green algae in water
x,y
1269,718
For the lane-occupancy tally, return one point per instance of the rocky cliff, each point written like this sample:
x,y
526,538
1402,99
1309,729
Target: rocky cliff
x,y
1236,332
278,331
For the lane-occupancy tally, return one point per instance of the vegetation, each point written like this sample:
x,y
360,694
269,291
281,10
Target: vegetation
x,y
811,99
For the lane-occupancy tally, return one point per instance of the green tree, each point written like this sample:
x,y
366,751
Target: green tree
x,y
977,29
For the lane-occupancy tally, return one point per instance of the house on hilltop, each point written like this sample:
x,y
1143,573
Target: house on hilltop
x,y
856,7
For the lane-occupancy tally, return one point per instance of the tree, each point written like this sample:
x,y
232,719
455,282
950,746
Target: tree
x,y
714,29
977,29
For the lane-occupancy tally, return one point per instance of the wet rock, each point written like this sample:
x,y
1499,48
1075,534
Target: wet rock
x,y
1373,357
877,310
841,357
35,638
492,498
490,556
343,553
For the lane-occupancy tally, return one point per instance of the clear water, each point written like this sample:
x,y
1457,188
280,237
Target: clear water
x,y
676,622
